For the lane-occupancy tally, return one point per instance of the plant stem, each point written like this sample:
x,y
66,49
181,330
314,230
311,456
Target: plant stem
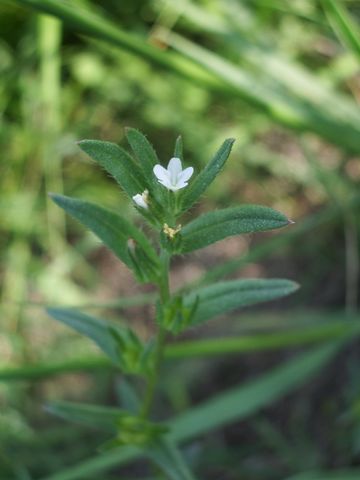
x,y
164,292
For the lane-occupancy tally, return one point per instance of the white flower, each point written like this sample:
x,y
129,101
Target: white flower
x,y
142,199
174,177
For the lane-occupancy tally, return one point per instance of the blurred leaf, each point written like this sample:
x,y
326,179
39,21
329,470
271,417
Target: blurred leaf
x,y
295,330
330,115
207,175
346,474
113,230
168,457
222,297
96,416
232,405
214,226
95,328
118,163
89,23
244,400
343,24
128,397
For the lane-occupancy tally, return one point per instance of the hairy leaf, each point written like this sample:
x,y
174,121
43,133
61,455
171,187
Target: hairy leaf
x,y
112,229
214,226
207,175
143,150
95,328
118,163
226,296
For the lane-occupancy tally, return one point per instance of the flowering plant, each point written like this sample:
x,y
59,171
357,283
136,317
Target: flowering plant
x,y
161,195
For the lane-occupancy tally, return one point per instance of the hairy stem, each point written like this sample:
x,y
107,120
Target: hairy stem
x,y
164,292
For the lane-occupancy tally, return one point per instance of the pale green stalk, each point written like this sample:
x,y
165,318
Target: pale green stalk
x,y
49,38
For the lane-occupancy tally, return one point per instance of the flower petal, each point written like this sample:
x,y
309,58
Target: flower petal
x,y
185,175
180,185
174,168
161,173
140,201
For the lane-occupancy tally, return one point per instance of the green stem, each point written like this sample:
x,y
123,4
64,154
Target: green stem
x,y
164,292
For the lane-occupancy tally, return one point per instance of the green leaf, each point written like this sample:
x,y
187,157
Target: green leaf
x,y
128,396
97,329
242,401
330,114
118,163
178,151
114,231
207,175
233,405
290,101
168,457
143,150
343,24
214,226
104,418
120,344
223,297
147,157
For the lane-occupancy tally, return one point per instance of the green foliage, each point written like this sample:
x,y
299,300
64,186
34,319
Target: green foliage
x,y
118,163
143,150
123,238
214,226
120,344
207,175
93,416
334,119
265,72
223,297
343,24
175,313
235,404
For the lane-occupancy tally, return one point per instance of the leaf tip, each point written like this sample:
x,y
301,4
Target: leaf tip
x,y
55,197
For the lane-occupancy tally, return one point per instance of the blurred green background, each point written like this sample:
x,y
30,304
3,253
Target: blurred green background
x,y
283,79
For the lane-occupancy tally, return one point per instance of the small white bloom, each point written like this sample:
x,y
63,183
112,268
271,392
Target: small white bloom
x,y
142,199
173,177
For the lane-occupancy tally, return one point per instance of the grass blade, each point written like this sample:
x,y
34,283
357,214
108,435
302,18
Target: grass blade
x,y
343,25
233,405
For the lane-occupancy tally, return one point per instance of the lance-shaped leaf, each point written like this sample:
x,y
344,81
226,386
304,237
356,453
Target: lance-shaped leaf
x,y
98,330
143,150
118,163
223,297
147,157
113,230
104,418
178,151
206,176
120,344
214,226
